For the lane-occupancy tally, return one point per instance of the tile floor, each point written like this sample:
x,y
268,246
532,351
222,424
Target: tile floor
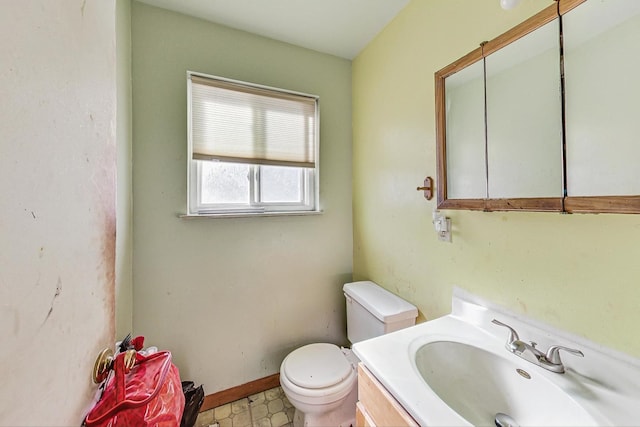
x,y
267,409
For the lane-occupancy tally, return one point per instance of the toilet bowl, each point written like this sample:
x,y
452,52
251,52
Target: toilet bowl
x,y
320,380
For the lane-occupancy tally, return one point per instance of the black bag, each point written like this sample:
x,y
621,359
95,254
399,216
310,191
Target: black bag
x,y
193,399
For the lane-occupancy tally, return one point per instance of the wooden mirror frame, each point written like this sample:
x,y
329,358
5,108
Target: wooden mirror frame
x,y
591,204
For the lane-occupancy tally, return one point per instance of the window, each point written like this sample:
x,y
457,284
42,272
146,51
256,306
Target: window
x,y
252,149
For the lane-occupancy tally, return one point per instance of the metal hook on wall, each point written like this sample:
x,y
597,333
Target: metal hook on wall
x,y
427,188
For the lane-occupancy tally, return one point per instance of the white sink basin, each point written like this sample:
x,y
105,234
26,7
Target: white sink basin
x,y
455,371
478,385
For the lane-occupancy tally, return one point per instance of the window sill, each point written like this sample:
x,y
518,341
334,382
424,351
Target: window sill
x,y
250,214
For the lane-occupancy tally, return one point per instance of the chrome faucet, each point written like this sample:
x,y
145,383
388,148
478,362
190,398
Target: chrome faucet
x,y
528,351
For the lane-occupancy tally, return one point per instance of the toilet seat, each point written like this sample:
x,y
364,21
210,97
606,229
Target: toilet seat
x,y
318,373
317,365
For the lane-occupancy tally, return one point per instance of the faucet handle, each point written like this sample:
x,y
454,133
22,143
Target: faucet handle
x,y
513,335
553,353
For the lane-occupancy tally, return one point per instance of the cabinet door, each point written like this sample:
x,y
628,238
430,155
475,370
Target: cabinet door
x,y
524,117
466,167
602,80
362,417
378,404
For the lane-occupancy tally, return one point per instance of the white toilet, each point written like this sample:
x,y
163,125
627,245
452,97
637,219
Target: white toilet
x,y
320,380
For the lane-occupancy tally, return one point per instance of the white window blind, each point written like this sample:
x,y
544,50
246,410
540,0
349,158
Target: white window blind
x,y
235,122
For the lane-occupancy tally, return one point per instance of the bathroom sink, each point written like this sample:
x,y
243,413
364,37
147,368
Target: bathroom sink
x,y
479,385
456,371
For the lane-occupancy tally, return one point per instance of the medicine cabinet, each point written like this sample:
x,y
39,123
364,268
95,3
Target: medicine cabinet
x,y
545,117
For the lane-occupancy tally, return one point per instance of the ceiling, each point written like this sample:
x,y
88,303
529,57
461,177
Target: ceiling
x,y
338,27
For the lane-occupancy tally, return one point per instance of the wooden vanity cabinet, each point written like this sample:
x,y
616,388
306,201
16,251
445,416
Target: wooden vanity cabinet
x,y
376,407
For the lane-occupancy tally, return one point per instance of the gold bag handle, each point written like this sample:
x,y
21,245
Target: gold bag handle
x,y
104,364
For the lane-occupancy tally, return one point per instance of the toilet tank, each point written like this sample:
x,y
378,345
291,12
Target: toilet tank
x,y
373,311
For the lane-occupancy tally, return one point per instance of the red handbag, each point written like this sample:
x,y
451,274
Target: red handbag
x,y
149,394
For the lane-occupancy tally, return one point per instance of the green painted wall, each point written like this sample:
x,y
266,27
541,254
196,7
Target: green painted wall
x,y
576,272
231,297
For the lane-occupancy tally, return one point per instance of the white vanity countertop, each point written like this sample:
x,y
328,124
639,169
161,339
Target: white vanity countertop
x,y
605,383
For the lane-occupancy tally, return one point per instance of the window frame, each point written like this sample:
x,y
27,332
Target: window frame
x,y
310,177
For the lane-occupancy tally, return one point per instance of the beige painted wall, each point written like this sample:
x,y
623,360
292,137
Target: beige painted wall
x,y
231,297
57,198
576,272
124,202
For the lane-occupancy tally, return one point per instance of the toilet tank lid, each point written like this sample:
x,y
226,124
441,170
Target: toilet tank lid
x,y
386,306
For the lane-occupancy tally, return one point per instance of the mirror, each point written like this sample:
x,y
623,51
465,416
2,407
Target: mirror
x,y
466,171
602,91
524,117
558,126
498,123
